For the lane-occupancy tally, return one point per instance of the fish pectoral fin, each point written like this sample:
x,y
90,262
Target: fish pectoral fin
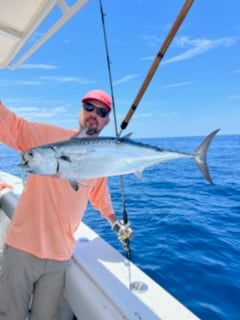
x,y
74,185
83,183
139,174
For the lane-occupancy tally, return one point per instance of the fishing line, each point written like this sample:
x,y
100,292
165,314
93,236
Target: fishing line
x,y
108,66
126,244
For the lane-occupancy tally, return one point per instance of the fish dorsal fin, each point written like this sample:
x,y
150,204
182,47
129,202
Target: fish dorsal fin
x,y
127,136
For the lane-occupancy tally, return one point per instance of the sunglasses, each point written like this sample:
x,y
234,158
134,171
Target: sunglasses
x,y
102,112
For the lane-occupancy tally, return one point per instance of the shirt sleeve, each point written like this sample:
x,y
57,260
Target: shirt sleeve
x,y
21,134
10,127
100,197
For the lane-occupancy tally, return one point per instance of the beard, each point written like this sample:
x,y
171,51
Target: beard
x,y
91,131
91,126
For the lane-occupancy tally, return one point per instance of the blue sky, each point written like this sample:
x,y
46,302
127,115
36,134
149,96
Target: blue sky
x,y
195,89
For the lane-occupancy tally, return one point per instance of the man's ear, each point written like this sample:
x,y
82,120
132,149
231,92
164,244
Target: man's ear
x,y
107,121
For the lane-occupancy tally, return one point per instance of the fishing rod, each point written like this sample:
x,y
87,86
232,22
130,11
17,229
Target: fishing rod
x,y
182,14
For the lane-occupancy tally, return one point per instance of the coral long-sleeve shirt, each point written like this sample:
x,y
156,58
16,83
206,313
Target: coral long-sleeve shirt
x,y
49,210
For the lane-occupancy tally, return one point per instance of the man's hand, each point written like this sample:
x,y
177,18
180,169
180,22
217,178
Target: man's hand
x,y
4,185
123,230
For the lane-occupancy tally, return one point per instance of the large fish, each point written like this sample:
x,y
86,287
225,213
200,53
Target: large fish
x,y
79,158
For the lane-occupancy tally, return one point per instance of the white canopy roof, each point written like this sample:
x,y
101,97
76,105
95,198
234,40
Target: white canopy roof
x,y
19,19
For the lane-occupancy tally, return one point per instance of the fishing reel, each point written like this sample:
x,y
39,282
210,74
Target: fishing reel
x,y
123,230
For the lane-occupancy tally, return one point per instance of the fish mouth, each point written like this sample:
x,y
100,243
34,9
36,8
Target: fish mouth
x,y
24,163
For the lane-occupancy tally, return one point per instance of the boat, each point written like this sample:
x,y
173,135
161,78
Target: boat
x,y
99,273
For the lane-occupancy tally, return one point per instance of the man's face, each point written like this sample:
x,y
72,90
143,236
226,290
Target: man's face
x,y
91,119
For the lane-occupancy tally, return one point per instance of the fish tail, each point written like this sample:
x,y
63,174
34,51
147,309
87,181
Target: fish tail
x,y
200,156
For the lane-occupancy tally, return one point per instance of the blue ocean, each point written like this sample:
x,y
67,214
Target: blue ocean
x,y
186,231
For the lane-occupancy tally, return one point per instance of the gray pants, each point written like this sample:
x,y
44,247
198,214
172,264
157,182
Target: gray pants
x,y
23,276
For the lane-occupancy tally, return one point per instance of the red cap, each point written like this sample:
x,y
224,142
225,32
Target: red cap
x,y
100,96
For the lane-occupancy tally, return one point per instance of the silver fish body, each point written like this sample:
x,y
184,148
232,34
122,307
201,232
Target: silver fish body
x,y
77,158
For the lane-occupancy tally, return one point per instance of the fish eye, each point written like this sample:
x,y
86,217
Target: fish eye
x,y
30,153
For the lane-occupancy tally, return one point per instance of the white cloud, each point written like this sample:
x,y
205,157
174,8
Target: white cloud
x,y
198,47
147,58
28,82
236,97
125,79
235,71
152,40
66,79
174,85
8,83
39,66
42,81
143,115
47,115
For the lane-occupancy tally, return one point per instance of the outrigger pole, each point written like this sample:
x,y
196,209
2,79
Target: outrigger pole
x,y
182,14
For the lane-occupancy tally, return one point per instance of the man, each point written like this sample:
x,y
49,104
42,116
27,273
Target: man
x,y
40,239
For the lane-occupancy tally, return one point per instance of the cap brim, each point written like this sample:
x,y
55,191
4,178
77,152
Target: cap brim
x,y
92,99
